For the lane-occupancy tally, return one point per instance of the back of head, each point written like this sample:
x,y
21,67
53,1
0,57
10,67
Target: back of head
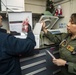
x,y
73,18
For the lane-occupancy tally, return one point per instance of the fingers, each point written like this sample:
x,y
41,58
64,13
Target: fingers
x,y
43,27
54,61
59,62
43,24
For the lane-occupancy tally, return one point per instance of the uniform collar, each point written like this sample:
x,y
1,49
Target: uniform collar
x,y
74,37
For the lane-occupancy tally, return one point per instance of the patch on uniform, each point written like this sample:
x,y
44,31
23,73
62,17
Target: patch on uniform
x,y
63,43
70,48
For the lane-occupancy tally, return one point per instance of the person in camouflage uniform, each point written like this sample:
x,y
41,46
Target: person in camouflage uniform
x,y
67,47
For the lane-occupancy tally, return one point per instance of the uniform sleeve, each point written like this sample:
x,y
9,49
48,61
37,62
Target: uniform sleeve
x,y
15,46
56,38
72,67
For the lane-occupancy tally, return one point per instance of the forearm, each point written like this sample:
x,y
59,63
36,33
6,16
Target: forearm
x,y
52,37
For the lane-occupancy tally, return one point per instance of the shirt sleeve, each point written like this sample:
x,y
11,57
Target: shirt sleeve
x,y
72,67
15,46
56,38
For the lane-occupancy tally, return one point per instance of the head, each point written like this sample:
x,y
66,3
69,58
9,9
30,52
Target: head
x,y
0,21
71,27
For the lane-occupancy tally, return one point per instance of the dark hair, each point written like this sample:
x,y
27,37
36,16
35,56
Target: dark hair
x,y
73,18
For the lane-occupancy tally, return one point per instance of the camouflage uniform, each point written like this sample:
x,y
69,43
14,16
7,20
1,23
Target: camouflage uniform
x,y
66,50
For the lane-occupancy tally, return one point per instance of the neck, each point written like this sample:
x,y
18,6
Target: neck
x,y
73,36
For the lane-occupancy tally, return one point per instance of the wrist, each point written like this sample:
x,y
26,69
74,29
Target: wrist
x,y
66,64
45,30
